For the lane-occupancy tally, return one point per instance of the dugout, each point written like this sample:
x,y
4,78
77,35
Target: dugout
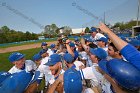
x,y
135,31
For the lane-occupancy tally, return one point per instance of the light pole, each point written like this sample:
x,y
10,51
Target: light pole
x,y
138,13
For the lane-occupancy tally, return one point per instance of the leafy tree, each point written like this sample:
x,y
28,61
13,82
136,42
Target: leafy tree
x,y
5,29
7,35
87,30
51,30
126,25
67,30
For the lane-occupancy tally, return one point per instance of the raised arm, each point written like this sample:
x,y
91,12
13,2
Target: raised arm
x,y
119,43
68,48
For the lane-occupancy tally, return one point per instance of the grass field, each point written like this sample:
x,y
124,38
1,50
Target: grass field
x,y
5,65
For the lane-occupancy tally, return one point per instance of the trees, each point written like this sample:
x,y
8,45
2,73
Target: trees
x,y
67,30
8,36
127,25
87,30
50,30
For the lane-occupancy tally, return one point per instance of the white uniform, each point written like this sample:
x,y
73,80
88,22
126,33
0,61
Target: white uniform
x,y
52,79
44,70
50,52
29,66
97,79
78,64
89,62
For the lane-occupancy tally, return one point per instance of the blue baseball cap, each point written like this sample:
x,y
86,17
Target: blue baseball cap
x,y
68,58
103,39
93,29
71,44
52,46
99,52
16,56
53,59
42,51
44,44
72,81
124,73
36,57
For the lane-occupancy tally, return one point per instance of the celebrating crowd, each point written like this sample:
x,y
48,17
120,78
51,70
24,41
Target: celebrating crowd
x,y
97,64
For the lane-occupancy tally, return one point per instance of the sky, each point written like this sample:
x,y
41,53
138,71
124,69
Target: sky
x,y
33,15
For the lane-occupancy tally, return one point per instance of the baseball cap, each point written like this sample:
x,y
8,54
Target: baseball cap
x,y
52,46
36,57
93,29
68,58
16,56
42,51
44,44
124,73
71,44
53,59
72,81
99,52
103,39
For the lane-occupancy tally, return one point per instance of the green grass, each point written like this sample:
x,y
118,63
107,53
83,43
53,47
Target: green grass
x,y
5,65
26,43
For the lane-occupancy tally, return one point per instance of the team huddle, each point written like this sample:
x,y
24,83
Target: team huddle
x,y
95,64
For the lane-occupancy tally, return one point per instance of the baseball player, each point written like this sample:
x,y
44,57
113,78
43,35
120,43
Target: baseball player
x,y
103,43
130,53
55,67
95,35
52,49
36,80
20,63
72,72
44,45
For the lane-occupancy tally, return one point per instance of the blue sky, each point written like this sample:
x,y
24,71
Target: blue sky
x,y
30,15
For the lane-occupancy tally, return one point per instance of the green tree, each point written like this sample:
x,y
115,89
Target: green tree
x,y
67,30
7,35
126,25
50,30
87,30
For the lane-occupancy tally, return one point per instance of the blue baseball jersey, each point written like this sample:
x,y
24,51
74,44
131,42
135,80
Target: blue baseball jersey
x,y
132,55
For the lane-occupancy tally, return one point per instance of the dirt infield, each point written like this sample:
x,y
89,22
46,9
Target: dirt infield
x,y
23,47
